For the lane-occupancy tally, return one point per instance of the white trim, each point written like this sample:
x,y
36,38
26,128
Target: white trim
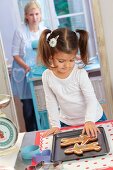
x,y
93,27
5,88
89,28
53,17
70,15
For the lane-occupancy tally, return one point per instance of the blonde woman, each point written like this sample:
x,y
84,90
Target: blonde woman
x,y
24,53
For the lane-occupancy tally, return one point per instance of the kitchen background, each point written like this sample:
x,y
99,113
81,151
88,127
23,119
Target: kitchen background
x,y
59,13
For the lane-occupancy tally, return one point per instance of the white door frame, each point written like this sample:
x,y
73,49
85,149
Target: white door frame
x,y
5,87
105,70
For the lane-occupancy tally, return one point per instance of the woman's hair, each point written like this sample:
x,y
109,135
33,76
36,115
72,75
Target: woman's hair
x,y
28,6
64,40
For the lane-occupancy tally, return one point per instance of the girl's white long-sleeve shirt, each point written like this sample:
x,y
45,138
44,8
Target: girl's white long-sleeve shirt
x,y
71,100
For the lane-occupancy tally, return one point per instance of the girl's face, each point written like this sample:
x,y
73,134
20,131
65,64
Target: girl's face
x,y
63,62
33,16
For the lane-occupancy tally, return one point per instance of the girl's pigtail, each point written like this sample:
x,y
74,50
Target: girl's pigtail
x,y
83,42
44,52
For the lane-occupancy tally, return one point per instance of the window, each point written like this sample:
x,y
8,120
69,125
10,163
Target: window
x,y
70,13
74,14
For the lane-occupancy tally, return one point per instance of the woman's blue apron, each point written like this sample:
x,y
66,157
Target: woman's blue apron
x,y
19,83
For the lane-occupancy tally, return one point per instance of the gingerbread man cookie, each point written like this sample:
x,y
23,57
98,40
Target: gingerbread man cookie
x,y
82,139
79,149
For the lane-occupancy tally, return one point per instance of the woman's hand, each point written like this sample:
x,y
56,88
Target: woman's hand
x,y
51,131
27,69
90,129
22,63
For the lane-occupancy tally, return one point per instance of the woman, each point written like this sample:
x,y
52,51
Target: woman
x,y
24,45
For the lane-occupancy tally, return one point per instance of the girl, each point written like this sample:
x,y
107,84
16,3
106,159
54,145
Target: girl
x,y
24,46
70,97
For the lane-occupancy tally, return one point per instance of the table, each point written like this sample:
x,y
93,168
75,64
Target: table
x,y
96,163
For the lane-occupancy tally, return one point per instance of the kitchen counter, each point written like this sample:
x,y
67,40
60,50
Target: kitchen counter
x,y
95,163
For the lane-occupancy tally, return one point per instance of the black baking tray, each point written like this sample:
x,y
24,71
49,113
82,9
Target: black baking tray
x,y
58,151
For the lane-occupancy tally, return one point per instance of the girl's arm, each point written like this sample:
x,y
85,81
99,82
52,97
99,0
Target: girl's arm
x,y
51,105
90,99
91,104
51,102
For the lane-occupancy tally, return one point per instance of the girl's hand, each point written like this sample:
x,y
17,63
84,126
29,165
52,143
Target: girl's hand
x,y
51,131
90,129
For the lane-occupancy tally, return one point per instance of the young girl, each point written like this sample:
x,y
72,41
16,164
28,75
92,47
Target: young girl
x,y
70,97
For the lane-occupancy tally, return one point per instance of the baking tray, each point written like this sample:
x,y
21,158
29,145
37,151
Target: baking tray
x,y
58,151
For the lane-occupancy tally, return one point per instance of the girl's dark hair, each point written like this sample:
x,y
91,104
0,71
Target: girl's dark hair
x,y
67,42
